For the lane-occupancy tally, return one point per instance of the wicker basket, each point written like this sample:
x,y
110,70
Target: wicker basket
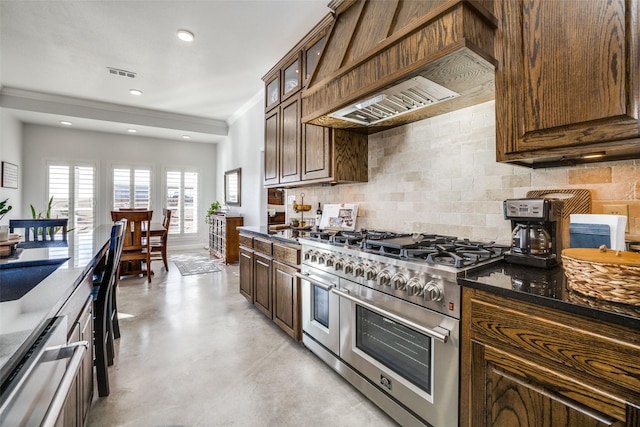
x,y
603,274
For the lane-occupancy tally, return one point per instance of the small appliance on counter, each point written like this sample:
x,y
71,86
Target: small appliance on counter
x,y
536,225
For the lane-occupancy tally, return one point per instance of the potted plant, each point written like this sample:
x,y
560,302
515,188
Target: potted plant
x,y
4,229
213,208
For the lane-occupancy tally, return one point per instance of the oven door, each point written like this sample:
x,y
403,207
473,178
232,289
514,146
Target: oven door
x,y
409,352
320,308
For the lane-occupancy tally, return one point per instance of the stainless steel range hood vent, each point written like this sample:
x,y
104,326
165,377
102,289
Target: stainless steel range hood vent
x,y
403,98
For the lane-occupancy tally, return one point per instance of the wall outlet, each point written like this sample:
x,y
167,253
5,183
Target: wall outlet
x,y
291,199
617,210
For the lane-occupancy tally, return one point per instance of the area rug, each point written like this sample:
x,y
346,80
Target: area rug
x,y
189,264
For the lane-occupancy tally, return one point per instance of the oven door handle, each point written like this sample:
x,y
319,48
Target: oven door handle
x,y
316,282
439,333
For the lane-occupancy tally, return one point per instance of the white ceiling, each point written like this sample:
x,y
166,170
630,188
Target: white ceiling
x,y
54,57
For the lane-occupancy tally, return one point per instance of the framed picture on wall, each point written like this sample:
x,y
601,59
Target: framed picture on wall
x,y
9,175
232,187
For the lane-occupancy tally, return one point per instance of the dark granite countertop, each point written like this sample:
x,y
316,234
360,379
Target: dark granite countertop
x,y
287,235
548,288
23,319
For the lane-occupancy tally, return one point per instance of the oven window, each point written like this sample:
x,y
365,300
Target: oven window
x,y
402,349
321,306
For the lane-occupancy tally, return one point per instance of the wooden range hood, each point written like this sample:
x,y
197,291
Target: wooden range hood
x,y
376,47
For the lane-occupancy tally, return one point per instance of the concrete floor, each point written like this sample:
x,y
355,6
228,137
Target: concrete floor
x,y
194,352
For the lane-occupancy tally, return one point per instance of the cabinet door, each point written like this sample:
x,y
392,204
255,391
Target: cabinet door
x,y
291,76
316,152
272,96
285,299
568,77
262,283
290,141
246,273
72,406
271,148
86,370
515,398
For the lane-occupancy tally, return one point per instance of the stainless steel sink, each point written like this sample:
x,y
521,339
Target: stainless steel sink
x,y
18,278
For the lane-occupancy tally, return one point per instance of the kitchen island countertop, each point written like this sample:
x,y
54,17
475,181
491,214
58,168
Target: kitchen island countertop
x,y
548,288
22,320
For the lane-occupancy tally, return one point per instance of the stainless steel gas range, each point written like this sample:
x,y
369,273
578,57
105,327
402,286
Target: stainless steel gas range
x,y
383,309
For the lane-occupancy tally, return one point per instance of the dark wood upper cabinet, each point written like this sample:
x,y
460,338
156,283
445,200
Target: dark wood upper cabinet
x,y
291,78
272,96
568,81
297,154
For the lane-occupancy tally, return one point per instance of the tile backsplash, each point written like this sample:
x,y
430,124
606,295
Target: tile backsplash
x,y
440,175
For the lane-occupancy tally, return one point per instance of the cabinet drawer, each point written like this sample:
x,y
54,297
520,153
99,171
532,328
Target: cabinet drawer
x,y
596,351
245,240
262,245
286,254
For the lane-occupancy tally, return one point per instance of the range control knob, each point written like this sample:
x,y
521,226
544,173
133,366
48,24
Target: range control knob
x,y
321,258
433,291
339,265
384,278
415,286
399,281
348,268
314,256
359,270
307,255
330,261
370,273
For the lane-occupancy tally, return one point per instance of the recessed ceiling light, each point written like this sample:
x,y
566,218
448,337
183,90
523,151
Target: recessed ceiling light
x,y
132,130
136,92
66,123
186,137
185,35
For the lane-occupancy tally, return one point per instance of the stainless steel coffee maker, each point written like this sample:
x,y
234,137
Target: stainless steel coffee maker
x,y
535,231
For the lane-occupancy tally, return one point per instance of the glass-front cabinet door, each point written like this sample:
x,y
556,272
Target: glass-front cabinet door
x,y
291,78
273,93
312,56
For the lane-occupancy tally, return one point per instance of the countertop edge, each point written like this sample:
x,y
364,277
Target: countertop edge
x,y
264,232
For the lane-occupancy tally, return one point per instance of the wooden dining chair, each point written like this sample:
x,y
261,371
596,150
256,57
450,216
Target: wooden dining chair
x,y
41,232
136,250
158,243
103,337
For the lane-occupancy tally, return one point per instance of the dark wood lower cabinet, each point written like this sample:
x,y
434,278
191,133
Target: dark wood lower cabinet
x,y
262,283
268,281
78,402
526,365
246,273
285,297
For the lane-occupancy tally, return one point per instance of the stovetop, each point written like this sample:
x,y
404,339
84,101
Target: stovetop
x,y
434,249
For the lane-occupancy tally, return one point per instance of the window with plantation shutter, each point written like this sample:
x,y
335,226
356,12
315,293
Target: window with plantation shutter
x,y
131,188
182,199
71,188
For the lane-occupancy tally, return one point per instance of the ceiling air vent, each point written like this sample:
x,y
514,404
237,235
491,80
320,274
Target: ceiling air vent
x,y
405,97
122,73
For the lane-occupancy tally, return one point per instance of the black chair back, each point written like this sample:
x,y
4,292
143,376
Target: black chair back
x,y
102,308
45,232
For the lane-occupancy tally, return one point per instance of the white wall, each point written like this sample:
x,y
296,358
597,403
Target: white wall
x,y
244,149
10,151
105,150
